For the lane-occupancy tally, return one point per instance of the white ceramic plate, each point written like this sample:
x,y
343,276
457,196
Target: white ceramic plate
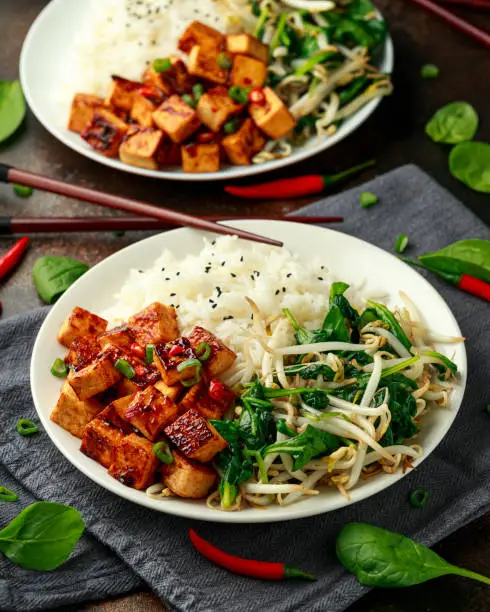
x,y
349,259
43,65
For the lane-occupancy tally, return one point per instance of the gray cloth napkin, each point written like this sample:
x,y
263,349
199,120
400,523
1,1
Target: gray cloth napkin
x,y
126,544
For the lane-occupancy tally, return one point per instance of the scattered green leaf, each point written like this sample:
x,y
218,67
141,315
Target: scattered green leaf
x,y
368,199
401,243
53,275
12,108
454,123
429,71
469,162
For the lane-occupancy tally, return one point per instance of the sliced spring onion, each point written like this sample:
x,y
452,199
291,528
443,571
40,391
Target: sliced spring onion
x,y
190,382
163,452
189,363
149,353
7,495
162,65
368,199
429,71
189,100
418,498
22,191
197,91
205,349
279,30
239,94
401,243
125,368
59,368
224,61
26,428
231,126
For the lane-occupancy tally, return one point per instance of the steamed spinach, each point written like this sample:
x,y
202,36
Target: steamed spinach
x,y
311,371
403,409
388,318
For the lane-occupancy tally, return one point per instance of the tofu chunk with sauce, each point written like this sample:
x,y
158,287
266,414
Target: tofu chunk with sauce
x,y
177,119
245,44
175,80
134,462
142,111
215,108
150,412
168,356
82,110
122,92
198,398
203,63
243,144
74,414
112,414
100,440
248,72
173,392
94,378
154,324
273,117
140,148
187,478
105,132
220,358
83,351
193,436
198,33
80,322
118,336
201,157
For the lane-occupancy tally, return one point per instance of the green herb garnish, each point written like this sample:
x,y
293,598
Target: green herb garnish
x,y
368,199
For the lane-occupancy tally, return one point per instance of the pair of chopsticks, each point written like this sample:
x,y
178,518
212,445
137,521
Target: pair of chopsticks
x,y
152,217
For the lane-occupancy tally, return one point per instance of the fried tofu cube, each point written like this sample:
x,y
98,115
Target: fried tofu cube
x,y
203,63
118,336
215,108
201,157
172,392
245,142
140,148
134,462
94,378
248,72
150,412
112,414
140,382
167,359
122,92
83,351
220,358
142,111
245,44
100,440
198,33
105,132
273,117
177,119
175,80
80,322
82,110
72,413
155,323
198,398
193,436
187,478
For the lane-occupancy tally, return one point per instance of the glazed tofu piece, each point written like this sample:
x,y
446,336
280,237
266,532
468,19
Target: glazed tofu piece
x,y
177,119
118,336
193,436
215,108
273,117
220,358
150,412
80,322
134,462
201,157
140,148
171,392
199,399
112,414
167,356
83,351
155,323
82,110
175,80
198,33
248,72
100,440
94,378
203,63
72,413
142,111
188,478
105,132
245,44
122,92
145,377
245,142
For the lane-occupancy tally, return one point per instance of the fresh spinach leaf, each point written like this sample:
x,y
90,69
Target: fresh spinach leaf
x,y
360,9
403,409
334,326
311,371
469,162
463,257
306,336
453,123
53,275
368,316
337,298
12,108
446,364
315,398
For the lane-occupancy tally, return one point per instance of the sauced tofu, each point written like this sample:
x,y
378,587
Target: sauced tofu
x,y
122,92
245,142
82,110
245,44
105,132
134,462
198,398
201,157
142,111
193,436
140,148
112,414
155,323
72,413
140,382
220,358
150,412
177,119
198,33
94,378
167,360
203,63
273,117
248,72
118,336
188,478
83,351
175,80
100,440
215,108
80,322
172,392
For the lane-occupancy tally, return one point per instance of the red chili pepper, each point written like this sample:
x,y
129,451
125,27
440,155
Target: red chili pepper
x,y
475,286
11,258
246,567
138,350
221,392
151,93
176,350
295,187
257,96
205,137
139,370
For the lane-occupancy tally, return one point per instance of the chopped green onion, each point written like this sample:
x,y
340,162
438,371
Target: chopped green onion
x,y
231,126
189,100
224,61
401,243
149,353
7,495
239,94
26,428
368,199
162,65
190,382
22,191
125,368
260,462
205,349
281,24
189,363
418,498
197,91
162,451
59,368
429,71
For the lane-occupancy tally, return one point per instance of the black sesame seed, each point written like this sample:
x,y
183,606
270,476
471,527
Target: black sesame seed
x,y
228,317
167,278
163,270
177,274
173,294
284,289
141,271
278,292
214,306
213,242
289,275
232,274
252,277
241,258
223,263
320,278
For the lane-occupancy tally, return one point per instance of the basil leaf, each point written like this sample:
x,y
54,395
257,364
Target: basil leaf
x,y
42,536
53,275
453,123
463,257
12,108
469,162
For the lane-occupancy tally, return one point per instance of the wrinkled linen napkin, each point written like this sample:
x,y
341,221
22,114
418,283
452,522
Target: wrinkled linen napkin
x,y
126,545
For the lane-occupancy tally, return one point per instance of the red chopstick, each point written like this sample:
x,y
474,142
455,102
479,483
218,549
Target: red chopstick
x,y
483,4
456,22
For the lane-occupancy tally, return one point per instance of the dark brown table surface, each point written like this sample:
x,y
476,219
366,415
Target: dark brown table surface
x,y
394,135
